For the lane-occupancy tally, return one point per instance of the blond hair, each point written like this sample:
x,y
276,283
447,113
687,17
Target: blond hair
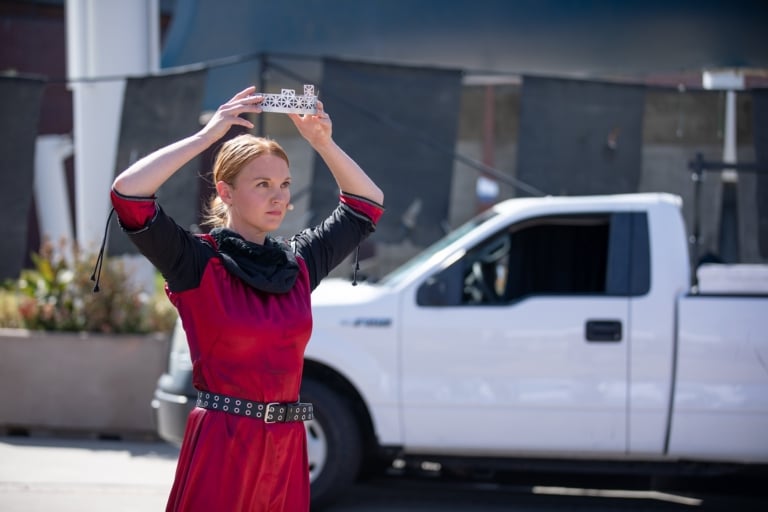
x,y
233,156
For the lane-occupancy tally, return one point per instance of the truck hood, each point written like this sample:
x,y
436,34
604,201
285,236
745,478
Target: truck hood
x,y
338,292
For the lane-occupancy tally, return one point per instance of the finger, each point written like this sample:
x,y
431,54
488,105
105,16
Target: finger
x,y
248,101
242,122
242,106
245,92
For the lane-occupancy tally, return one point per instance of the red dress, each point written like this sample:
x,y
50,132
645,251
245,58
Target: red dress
x,y
245,342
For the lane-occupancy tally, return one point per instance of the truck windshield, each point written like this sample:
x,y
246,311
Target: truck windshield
x,y
403,270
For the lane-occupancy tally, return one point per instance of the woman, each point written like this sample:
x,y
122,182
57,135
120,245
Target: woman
x,y
244,300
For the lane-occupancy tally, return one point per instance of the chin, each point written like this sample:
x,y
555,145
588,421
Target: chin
x,y
272,225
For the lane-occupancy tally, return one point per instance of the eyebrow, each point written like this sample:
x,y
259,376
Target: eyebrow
x,y
265,178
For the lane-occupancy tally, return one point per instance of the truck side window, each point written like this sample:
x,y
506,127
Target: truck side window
x,y
543,256
486,272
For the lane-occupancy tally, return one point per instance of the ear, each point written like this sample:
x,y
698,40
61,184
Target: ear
x,y
224,191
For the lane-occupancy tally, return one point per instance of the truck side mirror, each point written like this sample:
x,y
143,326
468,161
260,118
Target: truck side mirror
x,y
441,289
431,292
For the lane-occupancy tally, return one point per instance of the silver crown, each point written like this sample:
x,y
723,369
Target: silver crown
x,y
288,103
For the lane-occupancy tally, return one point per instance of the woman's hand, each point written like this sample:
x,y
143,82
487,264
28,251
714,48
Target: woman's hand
x,y
315,128
146,175
228,114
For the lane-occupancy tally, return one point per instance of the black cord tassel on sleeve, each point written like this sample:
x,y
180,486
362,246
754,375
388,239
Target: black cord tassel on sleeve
x,y
357,266
100,258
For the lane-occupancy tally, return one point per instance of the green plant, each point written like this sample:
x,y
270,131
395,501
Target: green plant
x,y
57,295
9,309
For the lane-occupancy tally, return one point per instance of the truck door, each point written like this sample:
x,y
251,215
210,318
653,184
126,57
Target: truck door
x,y
520,346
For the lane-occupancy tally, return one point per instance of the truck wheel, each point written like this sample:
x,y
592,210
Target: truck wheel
x,y
334,444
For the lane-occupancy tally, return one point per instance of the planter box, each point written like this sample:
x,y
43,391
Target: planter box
x,y
94,383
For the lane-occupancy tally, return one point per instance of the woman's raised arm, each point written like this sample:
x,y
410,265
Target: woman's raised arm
x,y
317,129
146,175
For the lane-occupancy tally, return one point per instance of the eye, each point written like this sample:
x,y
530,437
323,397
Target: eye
x,y
262,184
286,184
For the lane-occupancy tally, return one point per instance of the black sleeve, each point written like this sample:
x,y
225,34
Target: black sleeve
x,y
179,255
324,247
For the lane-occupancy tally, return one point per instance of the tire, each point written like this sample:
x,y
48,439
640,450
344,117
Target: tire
x,y
334,443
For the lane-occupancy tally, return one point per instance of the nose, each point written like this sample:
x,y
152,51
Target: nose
x,y
281,196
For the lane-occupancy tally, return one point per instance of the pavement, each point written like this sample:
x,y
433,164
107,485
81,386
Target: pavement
x,y
68,475
63,474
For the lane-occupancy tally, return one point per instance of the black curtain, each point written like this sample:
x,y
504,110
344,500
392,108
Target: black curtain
x,y
579,137
20,102
157,111
760,120
400,124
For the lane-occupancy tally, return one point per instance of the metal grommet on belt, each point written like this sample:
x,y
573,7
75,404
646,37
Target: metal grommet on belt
x,y
271,412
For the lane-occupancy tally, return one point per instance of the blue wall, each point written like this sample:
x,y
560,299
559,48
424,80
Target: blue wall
x,y
586,38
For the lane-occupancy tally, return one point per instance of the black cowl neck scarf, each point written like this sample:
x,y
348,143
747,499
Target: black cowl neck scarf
x,y
271,267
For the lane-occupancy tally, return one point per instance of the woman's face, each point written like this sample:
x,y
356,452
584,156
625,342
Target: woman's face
x,y
259,197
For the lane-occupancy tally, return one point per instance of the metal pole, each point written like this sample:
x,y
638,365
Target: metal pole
x,y
698,175
263,63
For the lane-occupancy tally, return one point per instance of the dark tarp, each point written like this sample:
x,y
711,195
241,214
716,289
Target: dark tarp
x,y
157,111
400,125
20,102
760,123
579,137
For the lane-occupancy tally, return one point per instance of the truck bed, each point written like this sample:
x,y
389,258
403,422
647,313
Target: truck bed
x,y
740,279
720,406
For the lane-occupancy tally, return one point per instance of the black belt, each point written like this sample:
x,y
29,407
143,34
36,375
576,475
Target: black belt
x,y
272,412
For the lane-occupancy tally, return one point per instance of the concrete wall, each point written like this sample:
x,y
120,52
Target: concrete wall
x,y
94,384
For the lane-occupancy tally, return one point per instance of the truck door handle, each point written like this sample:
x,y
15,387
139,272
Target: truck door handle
x,y
603,330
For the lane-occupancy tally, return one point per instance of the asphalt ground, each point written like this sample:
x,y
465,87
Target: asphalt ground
x,y
88,475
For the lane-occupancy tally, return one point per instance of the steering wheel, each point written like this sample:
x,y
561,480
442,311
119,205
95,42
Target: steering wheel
x,y
477,289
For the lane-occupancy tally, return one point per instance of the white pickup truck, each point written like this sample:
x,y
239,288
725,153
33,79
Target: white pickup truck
x,y
557,329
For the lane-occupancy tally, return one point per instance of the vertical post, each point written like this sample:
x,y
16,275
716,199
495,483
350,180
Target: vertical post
x,y
486,188
697,166
263,63
729,81
729,136
51,188
107,40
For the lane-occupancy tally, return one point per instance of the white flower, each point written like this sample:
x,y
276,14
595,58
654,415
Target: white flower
x,y
66,276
